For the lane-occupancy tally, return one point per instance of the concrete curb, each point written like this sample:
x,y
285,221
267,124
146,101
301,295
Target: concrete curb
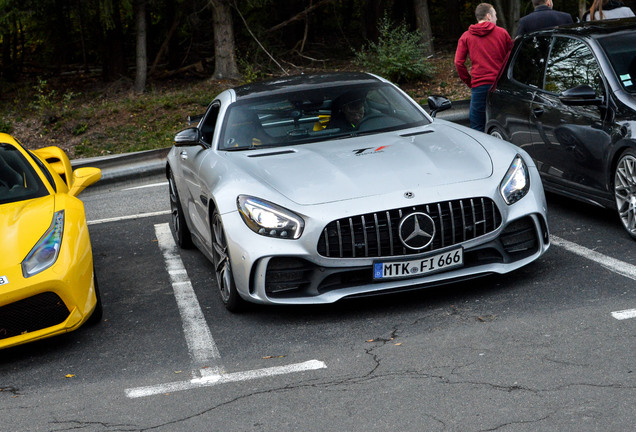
x,y
128,167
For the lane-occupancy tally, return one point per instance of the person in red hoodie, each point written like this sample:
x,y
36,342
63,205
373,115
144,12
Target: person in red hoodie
x,y
488,47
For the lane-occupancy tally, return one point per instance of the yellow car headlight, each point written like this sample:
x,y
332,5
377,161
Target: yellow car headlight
x,y
45,252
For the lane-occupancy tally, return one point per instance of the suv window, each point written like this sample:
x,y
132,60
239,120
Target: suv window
x,y
572,63
530,61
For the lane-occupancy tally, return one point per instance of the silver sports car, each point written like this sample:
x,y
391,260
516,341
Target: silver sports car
x,y
312,188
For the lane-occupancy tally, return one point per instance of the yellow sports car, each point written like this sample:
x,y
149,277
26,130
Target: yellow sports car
x,y
47,281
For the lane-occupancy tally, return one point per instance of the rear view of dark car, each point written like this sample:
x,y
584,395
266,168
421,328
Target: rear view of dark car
x,y
568,97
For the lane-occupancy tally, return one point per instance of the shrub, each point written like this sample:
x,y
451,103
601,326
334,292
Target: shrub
x,y
398,55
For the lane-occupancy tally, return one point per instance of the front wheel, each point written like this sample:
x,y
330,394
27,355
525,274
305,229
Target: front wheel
x,y
625,190
223,267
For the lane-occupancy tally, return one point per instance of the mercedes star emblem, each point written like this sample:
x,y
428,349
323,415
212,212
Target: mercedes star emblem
x,y
417,230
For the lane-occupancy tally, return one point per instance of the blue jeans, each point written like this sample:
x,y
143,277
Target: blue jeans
x,y
478,107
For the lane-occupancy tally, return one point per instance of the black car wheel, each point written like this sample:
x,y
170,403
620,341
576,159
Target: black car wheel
x,y
222,266
625,190
184,238
495,132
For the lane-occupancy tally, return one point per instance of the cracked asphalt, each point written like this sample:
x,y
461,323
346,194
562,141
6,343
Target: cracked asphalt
x,y
535,350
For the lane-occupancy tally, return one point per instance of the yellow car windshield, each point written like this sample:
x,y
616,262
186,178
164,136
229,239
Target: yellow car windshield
x,y
18,179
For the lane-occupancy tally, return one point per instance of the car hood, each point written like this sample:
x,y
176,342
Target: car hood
x,y
371,165
21,225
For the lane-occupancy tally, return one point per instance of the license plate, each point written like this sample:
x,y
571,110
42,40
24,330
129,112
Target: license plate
x,y
421,266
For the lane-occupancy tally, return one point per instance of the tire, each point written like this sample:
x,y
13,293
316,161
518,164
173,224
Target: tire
x,y
497,133
98,312
179,224
625,190
223,268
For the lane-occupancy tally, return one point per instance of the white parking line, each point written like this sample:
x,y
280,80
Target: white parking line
x,y
147,186
624,314
620,267
128,217
203,350
213,380
202,347
612,264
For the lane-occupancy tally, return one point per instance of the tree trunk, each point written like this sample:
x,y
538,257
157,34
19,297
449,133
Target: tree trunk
x,y
113,60
225,66
514,13
142,57
423,20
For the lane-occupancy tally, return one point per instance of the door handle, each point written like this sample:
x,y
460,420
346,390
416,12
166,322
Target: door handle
x,y
537,112
183,155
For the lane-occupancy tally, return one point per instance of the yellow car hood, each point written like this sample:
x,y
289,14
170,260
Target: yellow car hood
x,y
21,226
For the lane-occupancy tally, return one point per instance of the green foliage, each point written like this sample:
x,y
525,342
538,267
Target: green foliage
x,y
79,129
398,55
5,126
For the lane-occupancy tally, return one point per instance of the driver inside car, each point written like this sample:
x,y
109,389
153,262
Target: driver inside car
x,y
348,111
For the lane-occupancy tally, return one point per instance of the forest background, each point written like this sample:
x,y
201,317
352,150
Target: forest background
x,y
97,77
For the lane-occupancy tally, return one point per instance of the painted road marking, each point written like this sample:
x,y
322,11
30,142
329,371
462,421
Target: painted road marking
x,y
135,216
147,186
201,345
624,314
223,378
199,339
612,264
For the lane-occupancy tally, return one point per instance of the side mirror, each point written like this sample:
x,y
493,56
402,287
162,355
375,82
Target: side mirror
x,y
580,95
83,178
188,137
438,103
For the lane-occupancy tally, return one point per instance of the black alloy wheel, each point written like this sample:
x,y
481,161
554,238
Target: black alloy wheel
x,y
625,190
223,268
181,230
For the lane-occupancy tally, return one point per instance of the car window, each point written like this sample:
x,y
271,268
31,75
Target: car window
x,y
209,123
571,63
314,115
18,180
530,60
621,51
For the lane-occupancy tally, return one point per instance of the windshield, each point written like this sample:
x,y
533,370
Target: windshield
x,y
621,51
317,114
18,180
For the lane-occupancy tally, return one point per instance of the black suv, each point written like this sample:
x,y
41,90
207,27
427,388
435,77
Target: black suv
x,y
568,97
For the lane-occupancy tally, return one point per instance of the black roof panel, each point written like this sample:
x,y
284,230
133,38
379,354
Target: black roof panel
x,y
300,82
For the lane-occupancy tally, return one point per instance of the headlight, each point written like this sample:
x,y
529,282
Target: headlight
x,y
516,182
46,250
269,219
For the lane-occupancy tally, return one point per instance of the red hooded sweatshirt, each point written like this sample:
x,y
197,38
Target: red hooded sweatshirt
x,y
487,46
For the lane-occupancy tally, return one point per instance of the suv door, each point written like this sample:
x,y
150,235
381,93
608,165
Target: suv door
x,y
509,102
570,141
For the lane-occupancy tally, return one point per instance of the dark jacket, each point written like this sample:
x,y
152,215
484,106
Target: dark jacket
x,y
542,17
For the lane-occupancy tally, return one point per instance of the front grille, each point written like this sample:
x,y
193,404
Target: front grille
x,y
377,234
31,314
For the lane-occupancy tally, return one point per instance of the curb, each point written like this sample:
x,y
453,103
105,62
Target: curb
x,y
127,166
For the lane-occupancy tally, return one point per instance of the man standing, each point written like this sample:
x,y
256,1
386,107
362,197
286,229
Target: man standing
x,y
487,46
542,17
